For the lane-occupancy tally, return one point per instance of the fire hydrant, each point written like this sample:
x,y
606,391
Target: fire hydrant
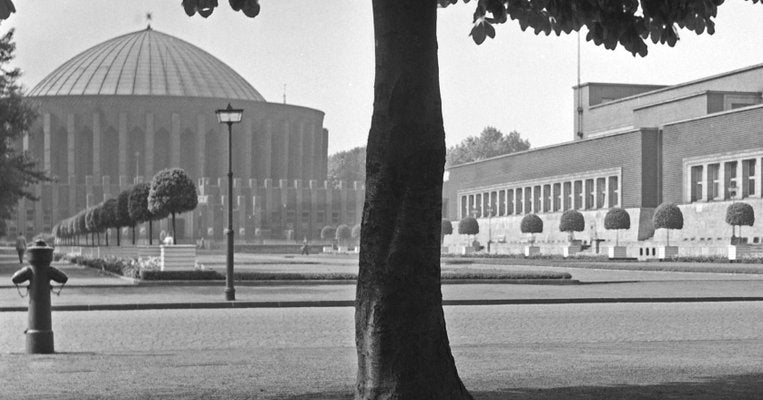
x,y
39,334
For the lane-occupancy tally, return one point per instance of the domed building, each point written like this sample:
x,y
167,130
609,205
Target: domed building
x,y
117,113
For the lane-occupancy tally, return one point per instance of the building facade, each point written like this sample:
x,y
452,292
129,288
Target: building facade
x,y
129,107
698,144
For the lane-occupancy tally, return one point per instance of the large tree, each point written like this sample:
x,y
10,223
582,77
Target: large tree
x,y
490,143
402,345
18,170
347,166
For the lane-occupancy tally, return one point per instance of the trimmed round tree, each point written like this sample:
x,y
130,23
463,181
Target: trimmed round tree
x,y
110,212
123,213
446,228
343,234
468,226
328,232
531,224
172,191
572,221
738,214
138,208
668,216
616,219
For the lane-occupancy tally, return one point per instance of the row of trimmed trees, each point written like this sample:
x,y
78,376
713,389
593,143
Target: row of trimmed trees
x,y
666,216
170,192
341,233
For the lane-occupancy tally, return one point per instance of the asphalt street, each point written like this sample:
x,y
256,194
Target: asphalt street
x,y
309,353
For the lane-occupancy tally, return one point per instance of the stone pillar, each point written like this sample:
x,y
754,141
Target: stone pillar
x,y
607,202
175,141
740,180
123,145
46,142
285,173
201,145
97,134
148,151
70,145
758,178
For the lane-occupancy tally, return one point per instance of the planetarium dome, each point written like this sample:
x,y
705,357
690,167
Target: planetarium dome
x,y
146,63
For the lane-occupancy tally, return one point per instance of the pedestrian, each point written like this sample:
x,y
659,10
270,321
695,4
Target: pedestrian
x,y
21,247
305,248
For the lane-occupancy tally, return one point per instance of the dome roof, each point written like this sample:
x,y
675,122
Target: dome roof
x,y
146,63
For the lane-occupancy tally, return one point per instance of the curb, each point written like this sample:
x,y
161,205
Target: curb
x,y
351,303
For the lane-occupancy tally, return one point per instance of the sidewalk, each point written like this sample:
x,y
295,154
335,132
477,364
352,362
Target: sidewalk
x,y
89,289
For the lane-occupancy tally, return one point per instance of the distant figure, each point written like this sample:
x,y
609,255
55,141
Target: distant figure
x,y
21,247
201,243
305,248
168,240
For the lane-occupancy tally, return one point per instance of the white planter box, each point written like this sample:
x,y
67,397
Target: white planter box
x,y
177,257
328,249
343,249
570,250
664,252
617,252
740,251
532,251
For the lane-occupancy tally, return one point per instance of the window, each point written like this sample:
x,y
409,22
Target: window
x,y
493,203
546,198
528,200
502,203
614,191
509,202
730,181
519,198
577,196
464,206
696,183
305,217
712,181
748,177
589,194
537,195
566,195
601,192
557,196
335,217
472,207
478,205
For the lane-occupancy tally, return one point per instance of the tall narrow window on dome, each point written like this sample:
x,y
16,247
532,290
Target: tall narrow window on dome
x,y
188,152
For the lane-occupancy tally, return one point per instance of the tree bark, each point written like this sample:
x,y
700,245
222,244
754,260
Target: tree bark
x,y
150,233
173,229
402,344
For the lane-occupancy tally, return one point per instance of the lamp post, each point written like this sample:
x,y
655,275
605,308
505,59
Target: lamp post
x,y
229,116
489,210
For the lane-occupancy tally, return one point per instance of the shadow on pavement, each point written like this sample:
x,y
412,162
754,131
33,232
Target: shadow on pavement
x,y
735,387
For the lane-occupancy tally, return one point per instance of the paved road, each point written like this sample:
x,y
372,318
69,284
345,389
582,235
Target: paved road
x,y
266,353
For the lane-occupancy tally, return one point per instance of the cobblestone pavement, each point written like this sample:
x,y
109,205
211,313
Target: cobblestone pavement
x,y
278,353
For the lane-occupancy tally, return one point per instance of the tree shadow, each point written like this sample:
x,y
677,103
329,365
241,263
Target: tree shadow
x,y
732,387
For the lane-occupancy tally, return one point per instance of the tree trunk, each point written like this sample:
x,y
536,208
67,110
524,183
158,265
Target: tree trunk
x,y
150,233
133,234
402,344
118,228
173,230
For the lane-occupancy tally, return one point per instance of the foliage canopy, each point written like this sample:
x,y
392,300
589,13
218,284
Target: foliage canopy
x,y
468,226
572,221
531,223
490,143
738,214
617,218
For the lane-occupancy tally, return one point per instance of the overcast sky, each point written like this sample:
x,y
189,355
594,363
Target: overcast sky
x,y
323,52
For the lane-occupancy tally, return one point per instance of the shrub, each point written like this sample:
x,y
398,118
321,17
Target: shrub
x,y
343,233
356,231
446,228
172,191
137,205
328,232
468,226
531,223
668,216
572,221
738,214
617,218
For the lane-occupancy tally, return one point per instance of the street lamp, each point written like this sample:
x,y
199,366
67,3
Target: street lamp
x,y
229,116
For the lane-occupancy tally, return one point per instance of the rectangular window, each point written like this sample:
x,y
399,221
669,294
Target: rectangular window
x,y
478,205
305,217
557,196
566,196
493,204
30,214
577,195
589,194
334,217
320,216
712,181
528,200
510,202
601,192
501,203
537,196
519,198
614,192
695,177
472,208
748,177
546,198
464,207
730,181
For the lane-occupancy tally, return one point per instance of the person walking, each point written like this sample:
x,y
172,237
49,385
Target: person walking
x,y
21,247
305,248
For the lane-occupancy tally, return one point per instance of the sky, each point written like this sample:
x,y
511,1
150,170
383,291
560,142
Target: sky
x,y
322,51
